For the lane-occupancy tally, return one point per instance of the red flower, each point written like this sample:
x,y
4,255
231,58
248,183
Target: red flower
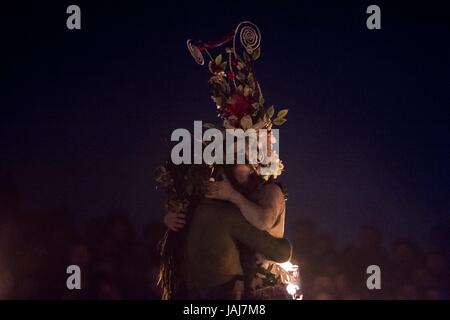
x,y
238,105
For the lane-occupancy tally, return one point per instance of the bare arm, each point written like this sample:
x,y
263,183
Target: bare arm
x,y
262,214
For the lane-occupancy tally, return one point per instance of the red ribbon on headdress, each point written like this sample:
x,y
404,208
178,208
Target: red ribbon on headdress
x,y
215,43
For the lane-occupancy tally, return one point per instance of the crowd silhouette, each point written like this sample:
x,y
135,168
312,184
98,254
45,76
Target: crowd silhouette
x,y
120,262
407,271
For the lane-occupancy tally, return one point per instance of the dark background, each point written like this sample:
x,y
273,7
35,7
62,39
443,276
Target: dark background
x,y
86,115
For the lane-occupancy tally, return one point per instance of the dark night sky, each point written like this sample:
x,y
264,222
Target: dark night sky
x,y
86,115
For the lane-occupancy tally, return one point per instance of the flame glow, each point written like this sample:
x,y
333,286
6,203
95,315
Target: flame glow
x,y
288,266
292,280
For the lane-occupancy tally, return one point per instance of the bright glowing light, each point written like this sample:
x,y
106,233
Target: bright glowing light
x,y
292,288
291,279
288,266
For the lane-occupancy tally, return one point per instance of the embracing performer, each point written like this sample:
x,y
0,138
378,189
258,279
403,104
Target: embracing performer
x,y
226,219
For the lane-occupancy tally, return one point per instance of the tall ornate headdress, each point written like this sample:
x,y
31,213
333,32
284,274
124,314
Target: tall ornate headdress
x,y
235,89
